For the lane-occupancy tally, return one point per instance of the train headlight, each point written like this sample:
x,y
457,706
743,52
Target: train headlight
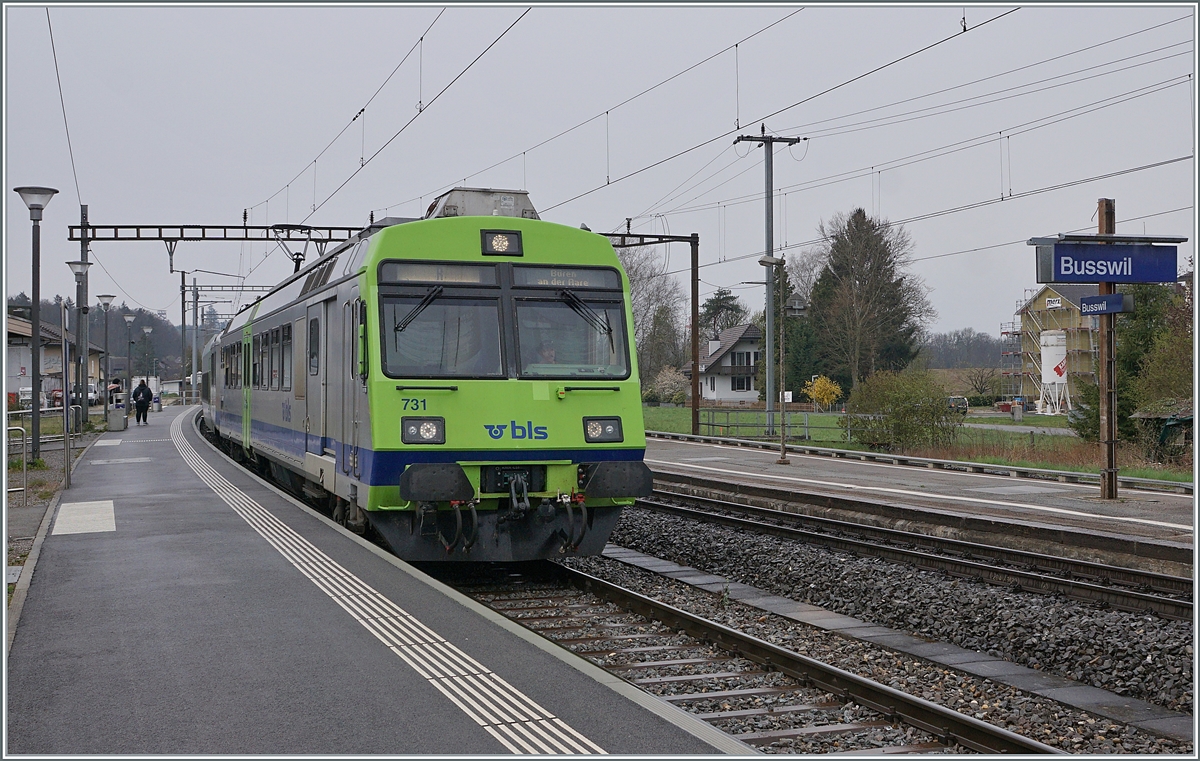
x,y
598,430
423,430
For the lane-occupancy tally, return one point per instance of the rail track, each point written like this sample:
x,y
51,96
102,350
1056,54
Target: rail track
x,y
759,693
1121,588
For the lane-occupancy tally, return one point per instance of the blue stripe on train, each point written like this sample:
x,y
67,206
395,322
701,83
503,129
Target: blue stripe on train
x,y
383,468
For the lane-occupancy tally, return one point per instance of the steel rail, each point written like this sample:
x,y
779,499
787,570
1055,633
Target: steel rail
x,y
1069,567
1063,476
948,725
975,561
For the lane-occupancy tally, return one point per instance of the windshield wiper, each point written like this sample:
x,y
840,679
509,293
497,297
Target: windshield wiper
x,y
434,292
589,315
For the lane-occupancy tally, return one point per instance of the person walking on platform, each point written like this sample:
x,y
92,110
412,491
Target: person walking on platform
x,y
142,395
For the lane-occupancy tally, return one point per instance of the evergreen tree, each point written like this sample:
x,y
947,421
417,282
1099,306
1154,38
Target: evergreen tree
x,y
868,313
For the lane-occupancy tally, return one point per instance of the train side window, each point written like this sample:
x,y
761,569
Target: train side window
x,y
276,368
314,346
264,348
285,358
298,348
254,359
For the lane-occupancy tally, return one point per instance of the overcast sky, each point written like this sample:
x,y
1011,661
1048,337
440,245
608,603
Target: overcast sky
x,y
188,115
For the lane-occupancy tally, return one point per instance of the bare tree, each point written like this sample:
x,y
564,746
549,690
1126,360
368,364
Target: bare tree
x,y
803,269
982,380
657,301
868,312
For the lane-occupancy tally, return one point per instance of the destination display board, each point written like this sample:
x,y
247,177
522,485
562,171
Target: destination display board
x,y
1071,262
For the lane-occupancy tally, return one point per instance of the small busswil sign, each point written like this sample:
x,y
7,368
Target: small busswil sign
x,y
1113,303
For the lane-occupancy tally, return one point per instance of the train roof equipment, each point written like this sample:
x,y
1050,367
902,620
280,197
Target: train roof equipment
x,y
482,202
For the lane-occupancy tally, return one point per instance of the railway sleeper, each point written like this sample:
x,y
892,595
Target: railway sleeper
x,y
764,738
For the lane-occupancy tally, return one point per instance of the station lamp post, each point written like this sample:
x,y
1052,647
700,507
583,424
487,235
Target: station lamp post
x,y
36,199
129,318
106,300
147,330
82,355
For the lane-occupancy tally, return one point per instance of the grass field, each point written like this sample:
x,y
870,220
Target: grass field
x,y
1015,448
1030,419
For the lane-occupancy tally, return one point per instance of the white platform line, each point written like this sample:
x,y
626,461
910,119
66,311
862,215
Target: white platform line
x,y
434,660
928,495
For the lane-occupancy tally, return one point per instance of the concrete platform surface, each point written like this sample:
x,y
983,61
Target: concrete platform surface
x,y
180,606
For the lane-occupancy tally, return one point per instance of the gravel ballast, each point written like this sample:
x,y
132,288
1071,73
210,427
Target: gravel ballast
x,y
1033,716
1137,655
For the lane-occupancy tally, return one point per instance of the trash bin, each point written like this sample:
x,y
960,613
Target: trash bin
x,y
117,420
156,405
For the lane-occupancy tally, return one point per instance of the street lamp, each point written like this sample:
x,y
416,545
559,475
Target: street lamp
x,y
129,318
36,199
106,300
147,330
79,269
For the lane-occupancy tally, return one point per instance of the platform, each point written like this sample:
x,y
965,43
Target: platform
x,y
1046,507
179,605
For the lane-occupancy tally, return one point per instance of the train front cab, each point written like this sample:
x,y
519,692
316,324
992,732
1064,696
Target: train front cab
x,y
506,419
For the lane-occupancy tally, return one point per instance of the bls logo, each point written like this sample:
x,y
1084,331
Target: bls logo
x,y
518,431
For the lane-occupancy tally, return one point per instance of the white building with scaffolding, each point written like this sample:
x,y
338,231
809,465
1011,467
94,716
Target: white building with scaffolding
x,y
1050,348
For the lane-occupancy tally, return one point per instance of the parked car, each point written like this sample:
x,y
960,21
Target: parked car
x,y
93,395
959,404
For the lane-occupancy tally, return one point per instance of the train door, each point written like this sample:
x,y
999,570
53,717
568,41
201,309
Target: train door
x,y
352,405
316,386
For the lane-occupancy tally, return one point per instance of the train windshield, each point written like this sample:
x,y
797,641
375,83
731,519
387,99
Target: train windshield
x,y
441,337
572,338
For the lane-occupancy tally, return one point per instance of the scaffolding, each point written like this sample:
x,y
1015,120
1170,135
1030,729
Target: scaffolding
x,y
1021,349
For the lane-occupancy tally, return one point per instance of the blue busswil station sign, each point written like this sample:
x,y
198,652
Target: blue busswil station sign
x,y
1113,303
1070,262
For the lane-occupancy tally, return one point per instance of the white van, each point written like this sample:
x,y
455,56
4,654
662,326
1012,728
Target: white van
x,y
25,398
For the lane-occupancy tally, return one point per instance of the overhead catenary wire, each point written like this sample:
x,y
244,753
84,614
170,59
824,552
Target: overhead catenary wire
x,y
62,101
810,125
990,77
356,115
764,117
958,209
606,111
937,152
469,66
71,153
756,196
1021,241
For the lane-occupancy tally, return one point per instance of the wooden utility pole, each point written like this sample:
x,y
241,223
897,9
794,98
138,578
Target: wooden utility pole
x,y
1107,213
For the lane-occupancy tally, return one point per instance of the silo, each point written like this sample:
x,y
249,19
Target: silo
x,y
1054,400
1054,356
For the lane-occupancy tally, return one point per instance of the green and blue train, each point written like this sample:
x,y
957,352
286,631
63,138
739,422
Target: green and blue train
x,y
466,383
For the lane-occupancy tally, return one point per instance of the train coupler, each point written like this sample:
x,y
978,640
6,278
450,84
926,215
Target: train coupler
x,y
518,494
427,518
